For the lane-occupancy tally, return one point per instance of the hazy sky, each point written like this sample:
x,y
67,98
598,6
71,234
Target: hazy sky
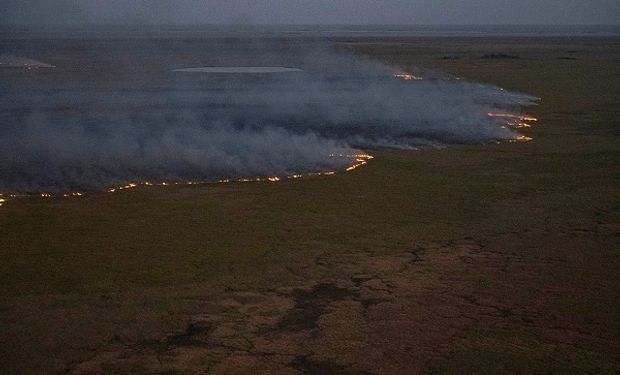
x,y
311,11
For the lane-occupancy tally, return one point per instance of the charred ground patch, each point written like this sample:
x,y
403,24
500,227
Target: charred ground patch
x,y
310,305
311,367
194,336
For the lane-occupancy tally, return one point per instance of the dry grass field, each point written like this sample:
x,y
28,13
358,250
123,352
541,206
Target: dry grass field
x,y
499,258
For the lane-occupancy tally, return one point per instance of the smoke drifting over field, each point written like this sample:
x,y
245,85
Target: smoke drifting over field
x,y
114,120
8,61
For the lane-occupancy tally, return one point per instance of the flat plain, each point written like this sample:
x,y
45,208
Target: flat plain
x,y
490,258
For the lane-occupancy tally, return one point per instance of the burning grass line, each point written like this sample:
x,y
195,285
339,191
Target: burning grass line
x,y
360,159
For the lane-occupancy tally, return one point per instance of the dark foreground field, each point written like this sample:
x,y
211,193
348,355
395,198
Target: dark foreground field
x,y
473,259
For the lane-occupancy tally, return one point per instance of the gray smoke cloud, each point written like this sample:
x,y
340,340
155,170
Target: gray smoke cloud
x,y
112,115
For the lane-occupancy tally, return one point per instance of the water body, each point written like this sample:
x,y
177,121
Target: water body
x,y
238,69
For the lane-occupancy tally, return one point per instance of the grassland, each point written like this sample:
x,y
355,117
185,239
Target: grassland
x,y
472,259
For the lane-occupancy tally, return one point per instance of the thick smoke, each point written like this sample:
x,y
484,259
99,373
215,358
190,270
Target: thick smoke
x,y
104,118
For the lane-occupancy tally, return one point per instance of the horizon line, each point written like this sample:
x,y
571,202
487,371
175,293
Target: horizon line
x,y
249,25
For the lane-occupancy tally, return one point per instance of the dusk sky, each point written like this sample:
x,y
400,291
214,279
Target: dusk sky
x,y
413,12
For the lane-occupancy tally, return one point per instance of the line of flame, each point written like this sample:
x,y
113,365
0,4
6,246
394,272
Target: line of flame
x,y
360,159
515,121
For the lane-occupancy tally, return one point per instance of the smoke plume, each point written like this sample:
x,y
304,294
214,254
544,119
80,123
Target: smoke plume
x,y
116,111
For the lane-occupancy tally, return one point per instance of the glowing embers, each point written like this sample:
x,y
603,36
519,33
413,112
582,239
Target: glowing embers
x,y
358,160
514,121
128,186
512,116
73,194
133,185
407,76
266,179
521,138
